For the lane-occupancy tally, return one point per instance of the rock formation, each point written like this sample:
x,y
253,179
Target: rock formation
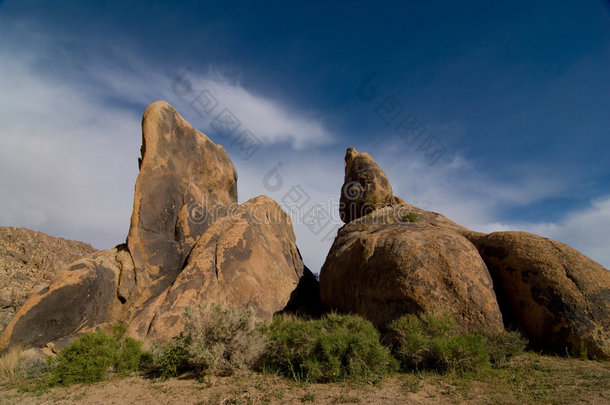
x,y
189,243
246,259
366,187
29,260
556,295
383,266
185,183
185,197
392,259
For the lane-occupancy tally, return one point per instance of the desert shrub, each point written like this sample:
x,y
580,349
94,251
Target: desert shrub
x,y
430,342
33,364
17,364
216,340
170,359
93,355
463,352
503,345
333,348
222,341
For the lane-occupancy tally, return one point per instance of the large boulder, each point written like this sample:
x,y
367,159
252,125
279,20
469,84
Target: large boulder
x,y
247,259
558,297
83,296
185,183
383,266
365,188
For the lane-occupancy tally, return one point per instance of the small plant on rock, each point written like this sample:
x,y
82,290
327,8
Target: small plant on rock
x,y
410,217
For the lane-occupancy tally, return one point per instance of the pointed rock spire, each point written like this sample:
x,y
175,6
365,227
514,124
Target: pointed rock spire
x,y
366,186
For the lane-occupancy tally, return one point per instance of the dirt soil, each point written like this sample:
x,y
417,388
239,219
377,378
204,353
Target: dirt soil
x,y
527,379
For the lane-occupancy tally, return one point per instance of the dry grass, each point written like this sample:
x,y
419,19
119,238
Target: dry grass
x,y
9,365
216,341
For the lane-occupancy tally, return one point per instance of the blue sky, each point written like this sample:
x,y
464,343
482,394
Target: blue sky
x,y
514,94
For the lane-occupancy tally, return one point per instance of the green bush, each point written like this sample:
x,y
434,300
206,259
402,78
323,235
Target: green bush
x,y
170,359
464,352
503,346
333,348
93,355
216,340
430,342
410,217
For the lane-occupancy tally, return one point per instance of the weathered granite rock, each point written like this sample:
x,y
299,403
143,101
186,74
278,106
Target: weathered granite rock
x,y
382,266
6,297
557,296
83,296
185,183
366,187
247,259
29,260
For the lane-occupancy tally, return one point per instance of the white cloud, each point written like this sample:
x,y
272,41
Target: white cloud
x,y
271,121
459,190
68,163
68,156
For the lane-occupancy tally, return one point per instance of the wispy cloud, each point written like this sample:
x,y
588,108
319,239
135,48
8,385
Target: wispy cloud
x,y
271,121
460,190
70,141
68,163
268,119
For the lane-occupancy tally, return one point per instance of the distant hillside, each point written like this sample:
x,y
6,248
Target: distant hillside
x,y
28,262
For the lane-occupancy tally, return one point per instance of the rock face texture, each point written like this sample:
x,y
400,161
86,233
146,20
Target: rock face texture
x,y
556,295
82,296
185,207
382,267
366,186
29,260
247,259
185,183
